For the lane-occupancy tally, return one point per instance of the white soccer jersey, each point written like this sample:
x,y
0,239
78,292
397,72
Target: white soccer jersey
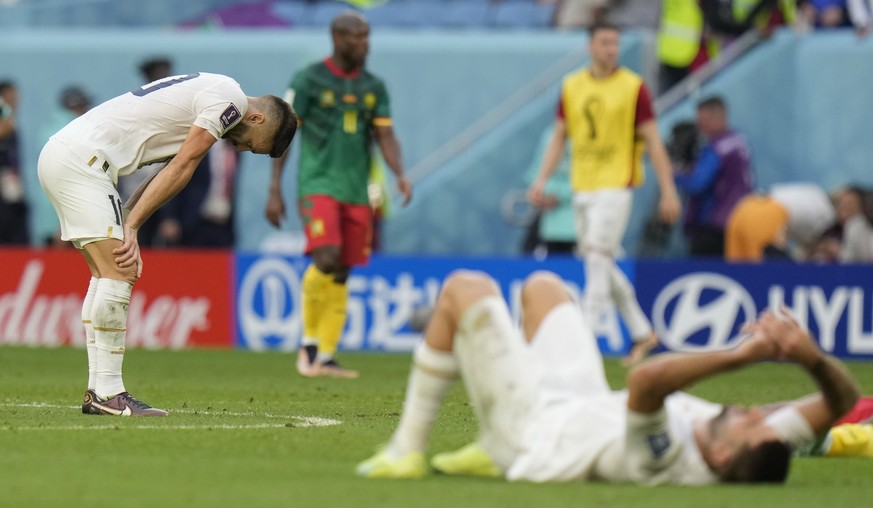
x,y
149,124
661,447
594,438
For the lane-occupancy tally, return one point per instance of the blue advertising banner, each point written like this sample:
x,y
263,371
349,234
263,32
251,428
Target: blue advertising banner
x,y
698,306
693,305
382,298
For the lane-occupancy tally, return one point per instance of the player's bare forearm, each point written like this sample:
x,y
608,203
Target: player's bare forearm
x,y
838,388
165,184
551,158
137,193
652,381
278,166
275,208
663,169
658,155
554,152
390,148
669,207
173,178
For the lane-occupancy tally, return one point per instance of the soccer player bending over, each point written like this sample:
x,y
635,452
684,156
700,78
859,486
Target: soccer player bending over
x,y
172,123
546,412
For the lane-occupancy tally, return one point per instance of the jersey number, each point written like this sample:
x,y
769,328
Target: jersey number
x,y
350,121
163,83
116,207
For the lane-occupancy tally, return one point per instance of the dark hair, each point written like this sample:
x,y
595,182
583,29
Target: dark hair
x,y
713,102
150,67
602,25
286,126
6,84
345,20
684,143
74,97
766,463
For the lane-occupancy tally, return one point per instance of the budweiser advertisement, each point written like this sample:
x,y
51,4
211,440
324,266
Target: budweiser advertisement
x,y
183,299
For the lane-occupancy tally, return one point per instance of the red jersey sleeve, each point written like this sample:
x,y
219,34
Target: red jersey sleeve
x,y
645,111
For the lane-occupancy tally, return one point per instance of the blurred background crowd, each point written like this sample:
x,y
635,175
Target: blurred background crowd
x,y
757,99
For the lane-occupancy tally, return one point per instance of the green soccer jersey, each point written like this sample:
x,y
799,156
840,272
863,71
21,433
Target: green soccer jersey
x,y
337,112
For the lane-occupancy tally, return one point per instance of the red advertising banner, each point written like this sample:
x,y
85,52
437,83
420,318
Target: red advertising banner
x,y
183,299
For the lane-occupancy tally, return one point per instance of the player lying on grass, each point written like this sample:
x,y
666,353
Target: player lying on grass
x,y
546,412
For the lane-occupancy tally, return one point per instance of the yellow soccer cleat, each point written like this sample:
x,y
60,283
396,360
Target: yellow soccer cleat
x,y
851,440
470,460
410,466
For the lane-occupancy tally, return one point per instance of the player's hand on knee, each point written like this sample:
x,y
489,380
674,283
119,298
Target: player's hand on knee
x,y
128,254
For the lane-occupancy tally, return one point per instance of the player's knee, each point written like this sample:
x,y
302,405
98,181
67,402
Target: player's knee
x,y
541,282
327,260
118,273
543,291
469,282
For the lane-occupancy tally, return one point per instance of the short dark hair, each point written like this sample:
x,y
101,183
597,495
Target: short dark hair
x,y
765,463
346,19
74,97
286,126
712,102
602,25
150,69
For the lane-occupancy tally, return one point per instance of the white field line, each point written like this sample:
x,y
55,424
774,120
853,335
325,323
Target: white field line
x,y
293,421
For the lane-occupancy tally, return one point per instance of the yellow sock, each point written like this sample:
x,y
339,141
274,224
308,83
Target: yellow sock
x,y
851,440
313,296
333,318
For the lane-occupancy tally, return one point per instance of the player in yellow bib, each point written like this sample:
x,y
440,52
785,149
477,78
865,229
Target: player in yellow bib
x,y
606,113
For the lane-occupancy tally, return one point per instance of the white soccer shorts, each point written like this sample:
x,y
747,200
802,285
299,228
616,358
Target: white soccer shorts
x,y
601,219
507,379
84,197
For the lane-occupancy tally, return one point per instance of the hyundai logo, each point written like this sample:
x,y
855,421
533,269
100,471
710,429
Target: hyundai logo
x,y
701,311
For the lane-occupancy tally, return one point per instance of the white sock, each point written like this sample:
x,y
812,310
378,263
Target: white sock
x,y
90,346
109,319
432,375
625,299
597,276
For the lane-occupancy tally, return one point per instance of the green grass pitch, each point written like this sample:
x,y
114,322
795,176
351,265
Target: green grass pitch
x,y
247,431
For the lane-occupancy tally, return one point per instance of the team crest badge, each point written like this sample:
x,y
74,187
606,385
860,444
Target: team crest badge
x,y
316,228
328,99
370,100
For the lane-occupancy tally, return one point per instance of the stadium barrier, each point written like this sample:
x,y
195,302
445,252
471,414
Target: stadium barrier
x,y
247,300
